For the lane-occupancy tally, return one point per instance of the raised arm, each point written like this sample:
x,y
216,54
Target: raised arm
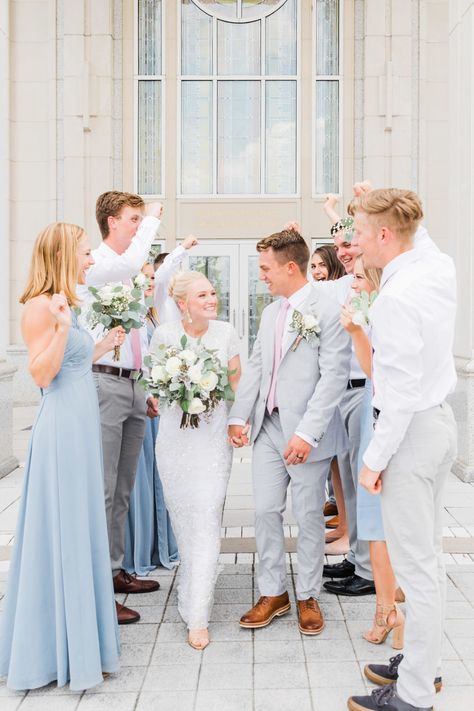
x,y
117,267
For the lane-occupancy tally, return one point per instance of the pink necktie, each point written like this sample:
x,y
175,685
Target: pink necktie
x,y
136,348
277,350
135,340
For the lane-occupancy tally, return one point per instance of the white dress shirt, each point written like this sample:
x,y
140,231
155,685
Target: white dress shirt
x,y
342,289
412,322
105,255
165,306
110,266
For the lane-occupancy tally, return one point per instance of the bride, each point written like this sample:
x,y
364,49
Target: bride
x,y
195,464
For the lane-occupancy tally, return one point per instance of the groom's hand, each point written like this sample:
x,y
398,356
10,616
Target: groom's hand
x,y
297,451
237,435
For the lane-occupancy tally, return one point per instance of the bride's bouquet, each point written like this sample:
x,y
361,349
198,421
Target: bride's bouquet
x,y
190,376
118,304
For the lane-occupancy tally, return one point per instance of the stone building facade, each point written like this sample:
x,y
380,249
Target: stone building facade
x,y
95,95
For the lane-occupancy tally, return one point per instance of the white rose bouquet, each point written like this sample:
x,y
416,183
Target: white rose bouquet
x,y
190,376
361,305
118,304
307,328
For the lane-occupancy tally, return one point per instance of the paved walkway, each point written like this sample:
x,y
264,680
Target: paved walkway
x,y
271,668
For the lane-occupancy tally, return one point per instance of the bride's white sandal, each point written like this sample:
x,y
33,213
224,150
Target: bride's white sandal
x,y
198,639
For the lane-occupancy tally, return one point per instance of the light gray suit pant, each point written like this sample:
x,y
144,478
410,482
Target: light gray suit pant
x,y
351,411
412,507
122,415
271,477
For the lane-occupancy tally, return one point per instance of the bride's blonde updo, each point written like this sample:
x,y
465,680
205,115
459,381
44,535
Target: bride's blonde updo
x,y
179,284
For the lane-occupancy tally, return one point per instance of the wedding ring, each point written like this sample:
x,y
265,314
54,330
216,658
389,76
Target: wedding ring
x,y
299,456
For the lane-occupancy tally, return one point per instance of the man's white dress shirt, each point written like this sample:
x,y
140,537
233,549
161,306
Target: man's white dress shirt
x,y
110,266
412,323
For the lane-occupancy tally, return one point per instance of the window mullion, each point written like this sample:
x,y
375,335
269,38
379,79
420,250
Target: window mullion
x,y
215,135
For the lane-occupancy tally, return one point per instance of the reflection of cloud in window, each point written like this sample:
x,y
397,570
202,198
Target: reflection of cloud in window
x,y
239,169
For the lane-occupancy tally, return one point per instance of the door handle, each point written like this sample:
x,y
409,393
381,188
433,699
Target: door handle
x,y
233,317
243,323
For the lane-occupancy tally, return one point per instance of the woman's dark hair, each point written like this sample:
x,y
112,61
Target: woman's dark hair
x,y
328,254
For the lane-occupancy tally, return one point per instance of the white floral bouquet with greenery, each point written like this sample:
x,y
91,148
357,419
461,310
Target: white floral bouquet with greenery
x,y
191,377
118,304
361,305
307,328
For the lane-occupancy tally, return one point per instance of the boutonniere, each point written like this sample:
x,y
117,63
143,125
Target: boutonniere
x,y
306,326
361,305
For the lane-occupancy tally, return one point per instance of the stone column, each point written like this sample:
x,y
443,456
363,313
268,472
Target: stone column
x,y
7,461
461,218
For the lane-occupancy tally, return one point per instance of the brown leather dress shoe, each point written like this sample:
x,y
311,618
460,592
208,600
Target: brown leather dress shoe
x,y
130,584
265,610
333,522
310,617
126,616
330,509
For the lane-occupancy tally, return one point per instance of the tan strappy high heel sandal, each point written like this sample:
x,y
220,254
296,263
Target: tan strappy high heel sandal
x,y
388,618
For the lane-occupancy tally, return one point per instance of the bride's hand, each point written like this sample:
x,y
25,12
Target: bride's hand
x,y
237,435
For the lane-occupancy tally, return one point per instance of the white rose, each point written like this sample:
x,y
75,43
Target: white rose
x,y
196,406
359,319
159,374
141,280
195,373
208,381
309,321
173,366
188,356
106,299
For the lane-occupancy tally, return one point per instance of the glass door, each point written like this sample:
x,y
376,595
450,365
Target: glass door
x,y
219,262
254,296
233,270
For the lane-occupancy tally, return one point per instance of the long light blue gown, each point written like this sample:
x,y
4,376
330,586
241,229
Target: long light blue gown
x,y
369,510
149,537
59,620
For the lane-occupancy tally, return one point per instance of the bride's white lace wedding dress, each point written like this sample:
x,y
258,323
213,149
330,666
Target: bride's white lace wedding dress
x,y
194,466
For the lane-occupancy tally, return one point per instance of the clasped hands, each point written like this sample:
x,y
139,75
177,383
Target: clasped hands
x,y
296,452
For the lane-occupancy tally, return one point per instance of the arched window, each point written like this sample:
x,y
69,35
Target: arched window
x,y
239,93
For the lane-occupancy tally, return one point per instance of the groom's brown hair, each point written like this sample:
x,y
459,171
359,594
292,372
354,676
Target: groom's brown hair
x,y
288,246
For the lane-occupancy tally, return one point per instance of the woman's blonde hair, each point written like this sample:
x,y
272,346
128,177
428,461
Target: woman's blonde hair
x,y
53,265
179,284
372,274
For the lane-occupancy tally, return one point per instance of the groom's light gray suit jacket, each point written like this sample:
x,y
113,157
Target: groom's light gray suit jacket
x,y
310,382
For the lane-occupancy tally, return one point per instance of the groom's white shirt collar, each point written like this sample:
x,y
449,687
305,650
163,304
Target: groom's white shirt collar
x,y
300,296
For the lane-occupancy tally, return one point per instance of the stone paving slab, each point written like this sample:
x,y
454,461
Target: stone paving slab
x,y
262,670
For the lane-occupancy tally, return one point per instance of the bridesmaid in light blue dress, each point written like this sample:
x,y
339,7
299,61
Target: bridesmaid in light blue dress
x,y
59,619
149,537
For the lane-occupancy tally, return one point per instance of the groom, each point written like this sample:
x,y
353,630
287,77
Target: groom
x,y
289,393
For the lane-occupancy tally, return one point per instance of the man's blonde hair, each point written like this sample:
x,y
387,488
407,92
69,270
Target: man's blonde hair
x,y
401,210
53,265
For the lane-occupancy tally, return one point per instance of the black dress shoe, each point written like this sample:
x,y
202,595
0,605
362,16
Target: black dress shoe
x,y
383,674
339,570
355,585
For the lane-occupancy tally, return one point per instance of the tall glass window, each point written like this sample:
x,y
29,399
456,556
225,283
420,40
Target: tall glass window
x,y
327,96
239,89
149,80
